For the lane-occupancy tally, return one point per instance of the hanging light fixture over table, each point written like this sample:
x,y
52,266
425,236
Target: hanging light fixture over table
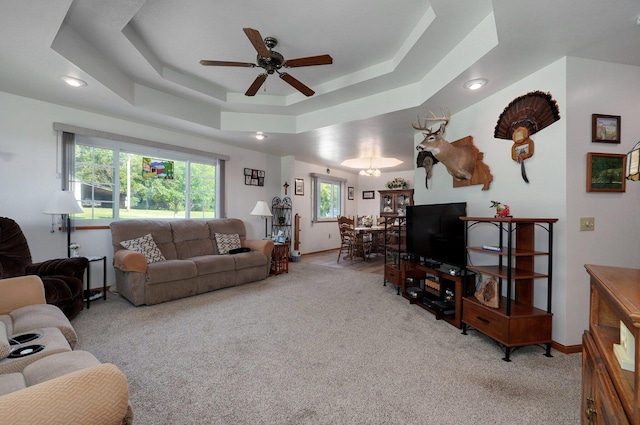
x,y
370,165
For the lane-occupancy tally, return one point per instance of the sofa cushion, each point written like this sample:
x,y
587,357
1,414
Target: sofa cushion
x,y
10,382
160,230
250,259
191,238
37,316
208,264
146,246
227,242
51,367
170,270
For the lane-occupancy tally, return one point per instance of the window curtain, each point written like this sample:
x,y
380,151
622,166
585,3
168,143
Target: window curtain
x,y
68,159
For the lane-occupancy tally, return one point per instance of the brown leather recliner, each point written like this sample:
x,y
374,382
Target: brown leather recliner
x,y
62,278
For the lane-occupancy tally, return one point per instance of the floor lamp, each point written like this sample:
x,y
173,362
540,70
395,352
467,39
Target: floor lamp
x,y
262,209
63,202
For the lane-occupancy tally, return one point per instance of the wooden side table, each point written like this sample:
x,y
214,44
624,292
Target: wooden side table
x,y
280,258
104,278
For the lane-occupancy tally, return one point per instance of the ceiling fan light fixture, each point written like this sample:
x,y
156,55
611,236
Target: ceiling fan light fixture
x,y
73,81
272,61
475,84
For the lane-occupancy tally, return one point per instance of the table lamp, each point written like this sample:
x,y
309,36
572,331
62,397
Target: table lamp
x,y
262,209
63,202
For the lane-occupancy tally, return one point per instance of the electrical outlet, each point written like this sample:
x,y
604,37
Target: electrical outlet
x,y
587,224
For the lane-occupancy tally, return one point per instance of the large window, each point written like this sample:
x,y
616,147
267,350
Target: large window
x,y
327,198
115,180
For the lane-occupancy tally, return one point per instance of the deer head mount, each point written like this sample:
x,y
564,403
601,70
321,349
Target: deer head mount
x,y
460,161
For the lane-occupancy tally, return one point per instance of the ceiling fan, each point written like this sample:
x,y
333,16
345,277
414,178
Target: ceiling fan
x,y
272,61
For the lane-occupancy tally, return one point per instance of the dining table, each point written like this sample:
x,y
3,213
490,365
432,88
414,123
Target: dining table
x,y
376,233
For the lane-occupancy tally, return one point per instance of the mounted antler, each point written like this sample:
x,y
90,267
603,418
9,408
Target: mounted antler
x,y
446,116
460,162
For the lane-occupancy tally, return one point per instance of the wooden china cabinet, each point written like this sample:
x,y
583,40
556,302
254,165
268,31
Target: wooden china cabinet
x,y
393,207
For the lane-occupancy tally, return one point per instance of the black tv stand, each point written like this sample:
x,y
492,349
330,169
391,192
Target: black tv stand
x,y
431,263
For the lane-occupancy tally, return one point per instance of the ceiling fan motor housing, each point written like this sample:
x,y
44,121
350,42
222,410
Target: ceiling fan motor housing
x,y
272,63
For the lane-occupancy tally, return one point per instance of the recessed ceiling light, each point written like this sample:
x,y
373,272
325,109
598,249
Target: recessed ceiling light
x,y
260,135
72,81
475,84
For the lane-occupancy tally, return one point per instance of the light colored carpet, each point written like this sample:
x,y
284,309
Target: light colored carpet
x,y
320,345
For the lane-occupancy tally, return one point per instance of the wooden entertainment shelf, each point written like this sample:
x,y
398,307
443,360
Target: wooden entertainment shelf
x,y
516,322
442,292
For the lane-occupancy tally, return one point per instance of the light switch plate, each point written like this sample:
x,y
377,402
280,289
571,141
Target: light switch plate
x,y
587,224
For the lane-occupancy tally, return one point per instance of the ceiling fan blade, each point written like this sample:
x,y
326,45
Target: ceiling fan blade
x,y
227,63
297,84
257,83
309,61
258,43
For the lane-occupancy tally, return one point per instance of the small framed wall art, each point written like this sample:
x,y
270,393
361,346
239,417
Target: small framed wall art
x,y
350,193
368,194
299,189
254,177
605,128
605,172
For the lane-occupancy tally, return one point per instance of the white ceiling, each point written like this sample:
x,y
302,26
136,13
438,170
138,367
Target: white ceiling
x,y
391,62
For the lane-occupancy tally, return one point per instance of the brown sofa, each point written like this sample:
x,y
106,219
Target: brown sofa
x,y
191,262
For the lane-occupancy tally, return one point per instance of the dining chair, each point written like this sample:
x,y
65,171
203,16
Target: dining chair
x,y
351,243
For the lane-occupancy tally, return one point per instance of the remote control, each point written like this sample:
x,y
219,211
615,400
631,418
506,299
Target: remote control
x,y
492,248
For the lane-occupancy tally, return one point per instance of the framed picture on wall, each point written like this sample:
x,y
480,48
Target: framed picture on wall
x,y
299,188
605,128
350,193
605,172
368,194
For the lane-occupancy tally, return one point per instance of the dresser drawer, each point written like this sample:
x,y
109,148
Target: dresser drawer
x,y
486,320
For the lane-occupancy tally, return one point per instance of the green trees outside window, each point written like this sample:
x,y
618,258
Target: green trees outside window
x,y
111,185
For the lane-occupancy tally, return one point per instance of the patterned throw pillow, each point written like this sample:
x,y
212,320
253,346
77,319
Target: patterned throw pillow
x,y
227,242
146,246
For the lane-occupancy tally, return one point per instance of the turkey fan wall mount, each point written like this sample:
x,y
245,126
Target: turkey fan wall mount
x,y
272,62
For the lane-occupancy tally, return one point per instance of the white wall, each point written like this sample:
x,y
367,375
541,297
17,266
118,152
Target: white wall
x,y
600,88
315,237
544,195
28,168
557,174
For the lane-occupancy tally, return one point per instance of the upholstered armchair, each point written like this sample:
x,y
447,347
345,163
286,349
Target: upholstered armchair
x,y
62,278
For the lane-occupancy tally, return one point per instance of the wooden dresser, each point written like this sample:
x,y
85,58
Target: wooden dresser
x,y
610,395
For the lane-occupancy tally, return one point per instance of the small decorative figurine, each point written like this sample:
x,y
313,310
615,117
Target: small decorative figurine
x,y
501,210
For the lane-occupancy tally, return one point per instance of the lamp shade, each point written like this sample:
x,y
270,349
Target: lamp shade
x,y
262,209
62,202
633,163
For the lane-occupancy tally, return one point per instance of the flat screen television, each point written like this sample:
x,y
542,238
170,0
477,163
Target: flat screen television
x,y
436,234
